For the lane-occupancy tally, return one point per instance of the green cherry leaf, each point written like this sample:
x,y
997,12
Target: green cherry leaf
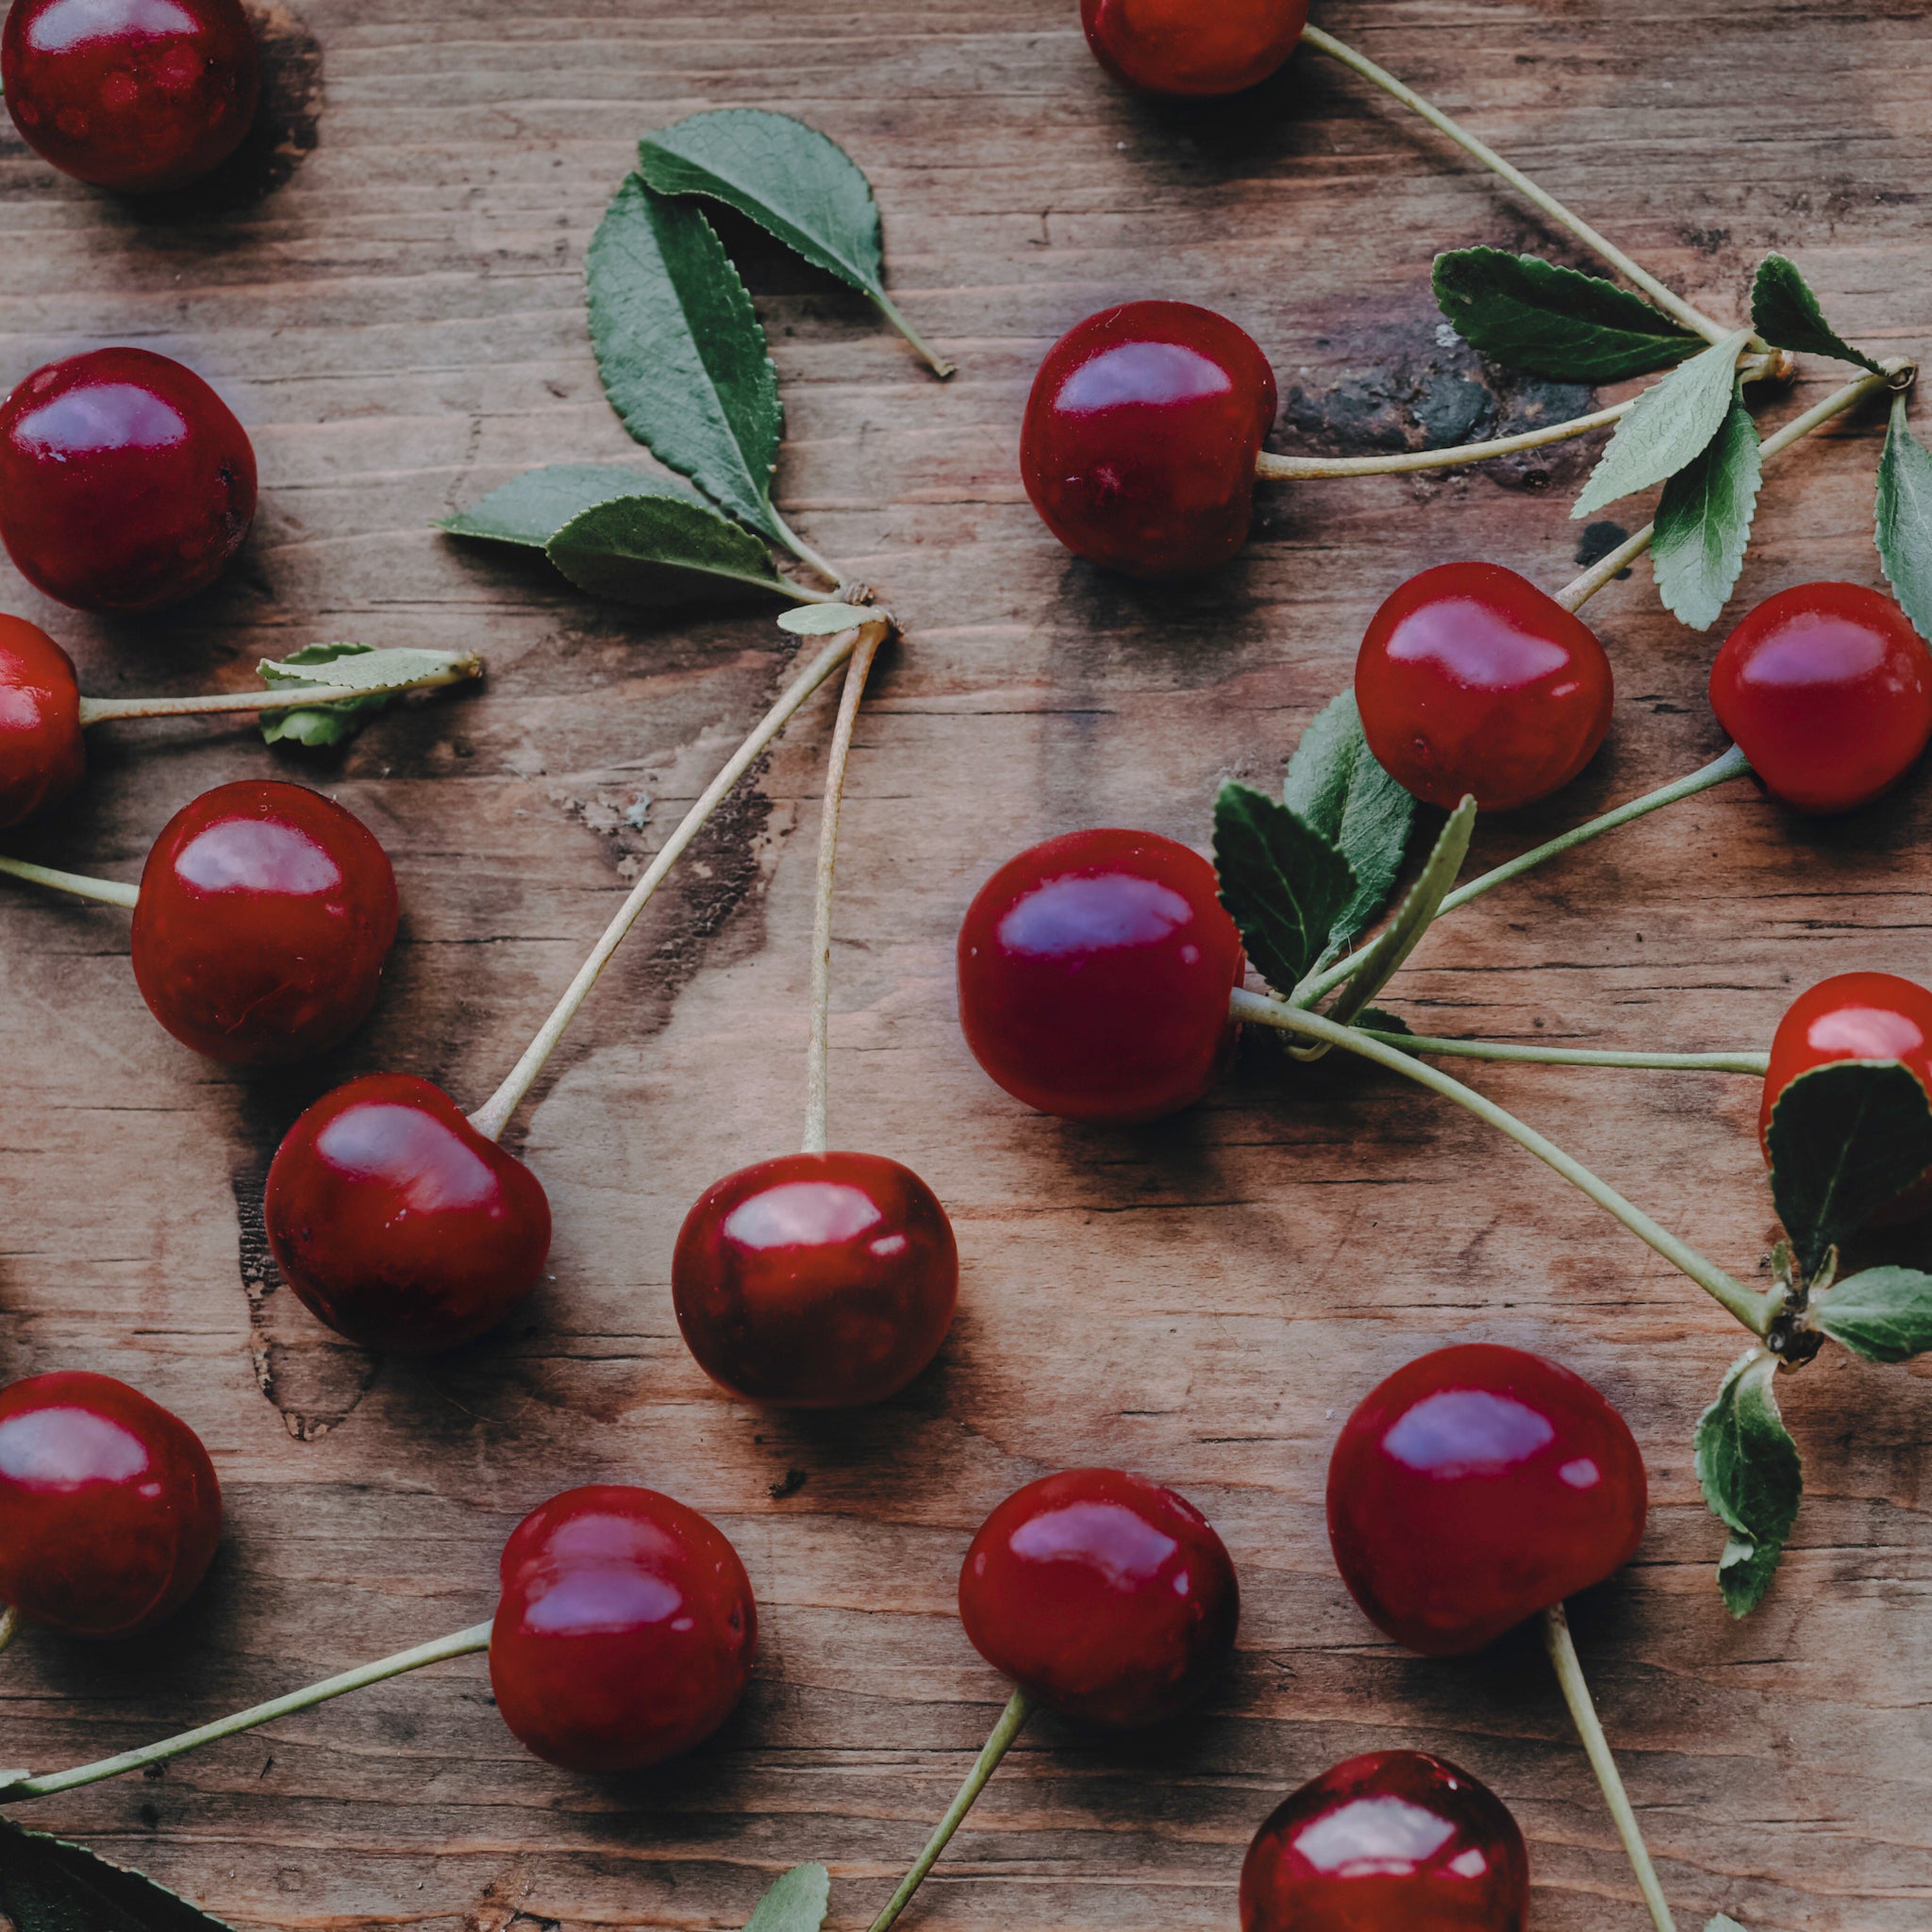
x,y
796,1903
823,619
1905,519
47,1885
531,508
794,182
1788,315
1722,1924
680,351
1704,522
1751,1478
662,547
1553,322
1884,1314
349,668
1672,423
1334,786
1380,1019
1283,883
1844,1140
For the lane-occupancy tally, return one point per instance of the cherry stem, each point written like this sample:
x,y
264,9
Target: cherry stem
x,y
1562,1650
1754,1310
461,1644
1758,1063
805,554
819,1044
889,310
1665,298
109,892
94,710
491,1118
10,1625
1013,1721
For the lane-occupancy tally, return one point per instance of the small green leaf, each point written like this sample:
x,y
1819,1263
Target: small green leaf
x,y
682,356
796,1903
531,508
350,668
1704,522
1884,1314
47,1885
1751,1478
1336,788
1844,1140
1282,882
1671,424
1788,315
1905,519
823,619
662,548
1380,1019
1554,321
1721,1923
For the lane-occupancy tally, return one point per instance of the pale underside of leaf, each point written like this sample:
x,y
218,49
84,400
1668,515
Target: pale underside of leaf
x,y
1751,1476
1787,315
795,1903
1884,1314
531,508
1905,519
823,619
1704,522
657,550
355,667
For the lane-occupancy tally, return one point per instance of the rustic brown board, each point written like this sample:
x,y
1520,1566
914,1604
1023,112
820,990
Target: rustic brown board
x,y
400,325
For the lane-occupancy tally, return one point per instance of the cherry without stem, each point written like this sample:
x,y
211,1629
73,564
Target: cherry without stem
x,y
41,755
125,482
1181,47
110,1511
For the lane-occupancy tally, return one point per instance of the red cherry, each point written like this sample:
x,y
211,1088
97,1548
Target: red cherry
x,y
1854,1016
1828,689
625,1632
1140,437
1181,47
1472,680
1395,1842
110,1511
125,482
1106,1596
816,1280
265,915
41,756
397,1224
1094,971
136,95
1477,1487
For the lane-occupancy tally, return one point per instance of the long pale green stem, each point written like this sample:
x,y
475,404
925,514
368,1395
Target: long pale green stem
x,y
1574,1056
1753,1310
109,892
461,1644
96,711
805,553
1562,1650
893,313
1012,1720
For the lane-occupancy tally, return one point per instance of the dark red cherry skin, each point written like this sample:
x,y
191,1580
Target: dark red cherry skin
x,y
1477,1487
1140,437
816,1280
397,1224
1470,681
265,916
41,756
1854,1016
1182,47
125,482
1094,971
1395,1842
625,1631
110,1511
1108,1597
1828,689
134,95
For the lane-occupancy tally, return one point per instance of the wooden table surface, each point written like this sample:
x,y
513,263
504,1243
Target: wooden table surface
x,y
399,322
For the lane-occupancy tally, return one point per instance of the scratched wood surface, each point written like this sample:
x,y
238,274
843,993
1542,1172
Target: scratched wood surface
x,y
390,295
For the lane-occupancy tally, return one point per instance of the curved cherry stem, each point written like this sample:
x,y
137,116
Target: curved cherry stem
x,y
109,892
890,311
97,710
1013,1721
805,553
1666,298
1562,1650
1754,1310
818,1058
1758,1063
460,1644
491,1118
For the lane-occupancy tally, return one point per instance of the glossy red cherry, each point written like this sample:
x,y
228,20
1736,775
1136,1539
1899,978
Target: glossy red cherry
x,y
265,915
1828,689
1395,1842
1475,1487
397,1224
1106,1596
136,95
625,1631
1140,437
41,756
1182,47
1854,1016
1094,971
816,1280
1472,681
125,482
110,1511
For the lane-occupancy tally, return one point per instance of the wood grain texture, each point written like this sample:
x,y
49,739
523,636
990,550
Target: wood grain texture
x,y
400,324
